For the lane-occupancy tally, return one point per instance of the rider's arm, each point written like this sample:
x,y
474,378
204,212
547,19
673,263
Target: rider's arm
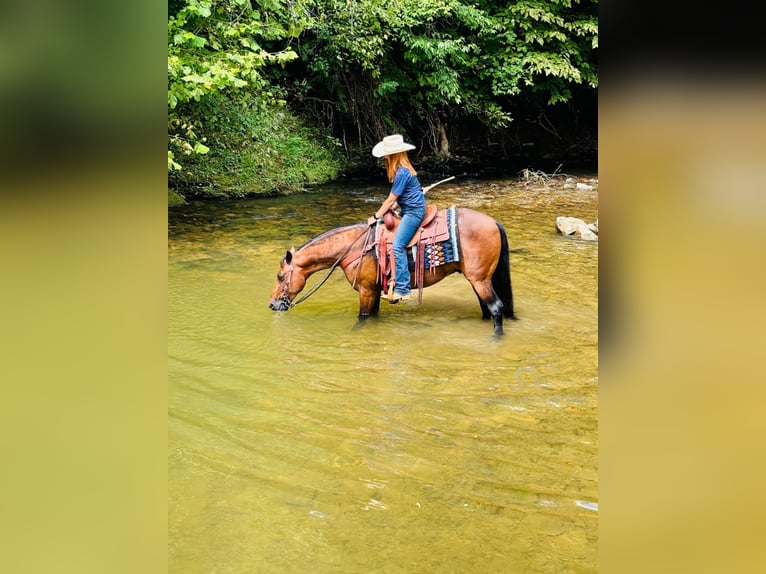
x,y
387,204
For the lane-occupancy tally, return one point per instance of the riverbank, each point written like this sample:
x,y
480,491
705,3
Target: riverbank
x,y
430,169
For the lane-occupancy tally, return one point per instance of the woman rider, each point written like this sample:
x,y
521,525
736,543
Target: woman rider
x,y
407,191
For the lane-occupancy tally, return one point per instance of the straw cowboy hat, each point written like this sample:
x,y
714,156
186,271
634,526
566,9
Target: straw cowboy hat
x,y
391,144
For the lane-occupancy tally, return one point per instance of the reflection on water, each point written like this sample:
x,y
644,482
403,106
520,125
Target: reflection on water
x,y
415,443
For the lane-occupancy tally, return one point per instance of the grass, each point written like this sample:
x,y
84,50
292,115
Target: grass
x,y
256,150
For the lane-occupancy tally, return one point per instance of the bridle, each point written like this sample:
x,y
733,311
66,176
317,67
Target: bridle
x,y
368,232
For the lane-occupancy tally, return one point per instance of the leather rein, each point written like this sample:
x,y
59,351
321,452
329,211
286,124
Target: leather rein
x,y
368,232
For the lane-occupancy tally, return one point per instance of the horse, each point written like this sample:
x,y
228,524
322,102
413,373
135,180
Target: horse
x,y
482,257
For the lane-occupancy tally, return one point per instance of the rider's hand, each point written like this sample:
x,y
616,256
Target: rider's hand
x,y
372,220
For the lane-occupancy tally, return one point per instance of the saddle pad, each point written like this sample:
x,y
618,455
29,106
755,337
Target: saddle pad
x,y
440,252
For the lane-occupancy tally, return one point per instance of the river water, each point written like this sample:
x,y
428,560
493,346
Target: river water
x,y
299,444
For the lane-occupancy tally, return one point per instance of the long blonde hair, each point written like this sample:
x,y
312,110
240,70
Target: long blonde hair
x,y
397,160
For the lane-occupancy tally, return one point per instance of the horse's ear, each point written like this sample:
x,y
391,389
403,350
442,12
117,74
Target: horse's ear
x,y
288,257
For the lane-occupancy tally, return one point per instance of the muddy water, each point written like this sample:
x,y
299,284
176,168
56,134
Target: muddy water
x,y
413,444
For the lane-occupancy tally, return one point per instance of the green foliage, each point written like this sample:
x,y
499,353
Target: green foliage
x,y
174,198
362,67
215,49
383,60
557,42
256,148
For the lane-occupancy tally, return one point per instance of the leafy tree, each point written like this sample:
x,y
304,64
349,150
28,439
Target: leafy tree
x,y
390,65
551,46
216,49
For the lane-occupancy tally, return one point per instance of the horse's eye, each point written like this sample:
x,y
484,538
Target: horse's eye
x,y
280,277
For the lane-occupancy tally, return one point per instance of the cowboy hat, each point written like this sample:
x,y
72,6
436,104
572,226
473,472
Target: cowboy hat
x,y
391,144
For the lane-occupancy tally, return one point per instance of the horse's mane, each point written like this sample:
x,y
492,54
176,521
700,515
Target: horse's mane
x,y
327,234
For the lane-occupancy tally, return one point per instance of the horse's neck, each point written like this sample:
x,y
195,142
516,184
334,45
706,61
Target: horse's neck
x,y
326,249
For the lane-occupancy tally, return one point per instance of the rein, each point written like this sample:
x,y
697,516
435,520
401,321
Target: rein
x,y
292,304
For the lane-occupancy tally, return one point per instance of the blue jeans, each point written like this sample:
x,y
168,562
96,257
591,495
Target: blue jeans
x,y
409,224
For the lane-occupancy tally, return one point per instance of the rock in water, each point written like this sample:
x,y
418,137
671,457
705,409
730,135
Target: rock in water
x,y
575,227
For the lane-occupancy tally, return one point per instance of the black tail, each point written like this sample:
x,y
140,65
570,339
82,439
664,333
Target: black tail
x,y
501,278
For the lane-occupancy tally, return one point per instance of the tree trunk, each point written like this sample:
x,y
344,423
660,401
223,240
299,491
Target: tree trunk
x,y
443,143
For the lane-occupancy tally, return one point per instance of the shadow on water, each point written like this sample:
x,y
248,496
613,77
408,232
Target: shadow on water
x,y
416,441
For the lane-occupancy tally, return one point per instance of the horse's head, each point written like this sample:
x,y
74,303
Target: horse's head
x,y
290,281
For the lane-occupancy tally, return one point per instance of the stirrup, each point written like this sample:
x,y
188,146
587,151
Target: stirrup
x,y
391,297
398,297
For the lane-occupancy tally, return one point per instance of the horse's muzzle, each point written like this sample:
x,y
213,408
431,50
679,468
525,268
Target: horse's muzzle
x,y
279,305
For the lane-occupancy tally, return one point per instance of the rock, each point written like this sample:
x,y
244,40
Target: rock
x,y
175,198
584,187
568,225
574,227
586,233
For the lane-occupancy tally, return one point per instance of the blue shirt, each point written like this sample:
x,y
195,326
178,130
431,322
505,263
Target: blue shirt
x,y
407,187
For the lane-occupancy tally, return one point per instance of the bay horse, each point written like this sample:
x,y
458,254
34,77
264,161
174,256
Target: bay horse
x,y
483,259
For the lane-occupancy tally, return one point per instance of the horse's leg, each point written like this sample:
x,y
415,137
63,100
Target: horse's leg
x,y
485,313
369,302
489,301
367,285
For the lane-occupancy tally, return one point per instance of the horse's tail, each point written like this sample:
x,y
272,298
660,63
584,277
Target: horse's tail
x,y
501,278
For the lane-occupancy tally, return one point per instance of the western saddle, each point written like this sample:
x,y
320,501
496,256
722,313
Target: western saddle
x,y
433,229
